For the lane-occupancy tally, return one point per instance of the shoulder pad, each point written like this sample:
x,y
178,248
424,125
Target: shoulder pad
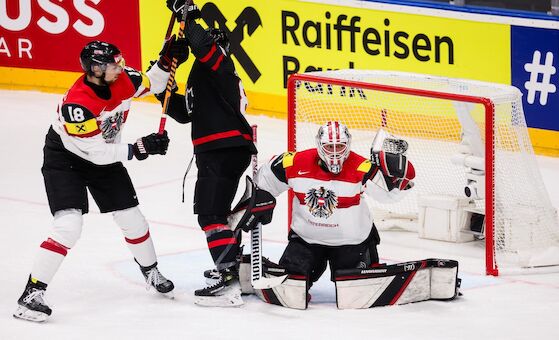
x,y
137,78
365,166
287,160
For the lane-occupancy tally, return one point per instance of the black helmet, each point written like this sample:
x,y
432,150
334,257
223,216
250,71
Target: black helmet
x,y
99,53
220,38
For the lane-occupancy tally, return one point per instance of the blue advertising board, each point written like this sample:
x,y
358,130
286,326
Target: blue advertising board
x,y
535,71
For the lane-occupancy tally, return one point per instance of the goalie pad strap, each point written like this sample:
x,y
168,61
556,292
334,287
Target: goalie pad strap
x,y
397,284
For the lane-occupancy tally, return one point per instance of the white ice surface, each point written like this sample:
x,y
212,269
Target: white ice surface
x,y
99,292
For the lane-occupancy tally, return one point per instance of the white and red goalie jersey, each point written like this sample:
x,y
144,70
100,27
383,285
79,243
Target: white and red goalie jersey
x,y
90,125
328,209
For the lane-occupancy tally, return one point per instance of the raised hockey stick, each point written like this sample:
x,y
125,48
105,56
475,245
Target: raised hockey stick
x,y
257,278
171,80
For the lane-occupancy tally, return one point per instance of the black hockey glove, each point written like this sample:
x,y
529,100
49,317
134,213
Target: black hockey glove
x,y
154,144
258,206
260,210
177,6
172,48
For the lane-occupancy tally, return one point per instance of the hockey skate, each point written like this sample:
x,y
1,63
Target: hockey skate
x,y
224,292
212,276
32,305
154,279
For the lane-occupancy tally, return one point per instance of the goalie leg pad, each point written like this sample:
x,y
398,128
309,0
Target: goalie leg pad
x,y
292,293
431,279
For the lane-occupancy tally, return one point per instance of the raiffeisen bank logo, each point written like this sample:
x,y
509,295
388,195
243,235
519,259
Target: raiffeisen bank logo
x,y
248,18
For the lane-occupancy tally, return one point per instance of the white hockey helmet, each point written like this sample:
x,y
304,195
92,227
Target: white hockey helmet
x,y
333,143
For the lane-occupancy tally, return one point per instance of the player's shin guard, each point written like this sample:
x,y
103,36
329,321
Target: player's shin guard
x,y
66,230
48,260
222,244
292,293
136,234
431,279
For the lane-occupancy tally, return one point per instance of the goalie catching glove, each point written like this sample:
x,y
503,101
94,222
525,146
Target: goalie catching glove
x,y
396,169
256,206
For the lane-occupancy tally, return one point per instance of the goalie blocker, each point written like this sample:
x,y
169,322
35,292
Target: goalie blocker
x,y
255,206
396,284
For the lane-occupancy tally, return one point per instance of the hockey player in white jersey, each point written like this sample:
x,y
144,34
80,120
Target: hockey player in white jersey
x,y
330,217
331,222
83,151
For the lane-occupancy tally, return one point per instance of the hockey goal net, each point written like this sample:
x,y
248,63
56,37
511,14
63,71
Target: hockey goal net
x,y
440,118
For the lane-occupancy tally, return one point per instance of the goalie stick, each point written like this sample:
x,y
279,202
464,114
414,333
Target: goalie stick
x,y
257,279
173,70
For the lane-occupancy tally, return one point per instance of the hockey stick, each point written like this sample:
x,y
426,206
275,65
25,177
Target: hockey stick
x,y
171,80
170,27
257,278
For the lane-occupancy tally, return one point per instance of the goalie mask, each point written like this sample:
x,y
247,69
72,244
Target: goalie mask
x,y
333,143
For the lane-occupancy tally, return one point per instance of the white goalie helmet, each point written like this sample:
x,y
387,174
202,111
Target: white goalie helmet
x,y
333,143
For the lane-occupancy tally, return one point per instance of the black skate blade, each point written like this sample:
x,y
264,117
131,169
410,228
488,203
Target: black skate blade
x,y
30,315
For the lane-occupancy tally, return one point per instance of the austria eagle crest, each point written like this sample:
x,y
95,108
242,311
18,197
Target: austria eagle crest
x,y
111,126
321,202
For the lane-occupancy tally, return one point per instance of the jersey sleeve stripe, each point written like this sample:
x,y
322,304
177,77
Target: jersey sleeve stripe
x,y
209,54
217,63
84,129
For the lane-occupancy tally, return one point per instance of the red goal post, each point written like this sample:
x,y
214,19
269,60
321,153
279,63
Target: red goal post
x,y
434,114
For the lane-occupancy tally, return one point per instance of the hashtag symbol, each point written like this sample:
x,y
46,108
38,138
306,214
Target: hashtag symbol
x,y
533,86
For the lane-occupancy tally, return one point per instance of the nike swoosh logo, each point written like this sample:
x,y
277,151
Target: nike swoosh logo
x,y
302,172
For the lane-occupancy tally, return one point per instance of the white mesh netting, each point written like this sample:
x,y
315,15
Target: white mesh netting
x,y
526,228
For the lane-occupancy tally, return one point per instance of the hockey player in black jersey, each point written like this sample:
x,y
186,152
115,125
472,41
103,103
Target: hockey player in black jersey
x,y
83,151
215,103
